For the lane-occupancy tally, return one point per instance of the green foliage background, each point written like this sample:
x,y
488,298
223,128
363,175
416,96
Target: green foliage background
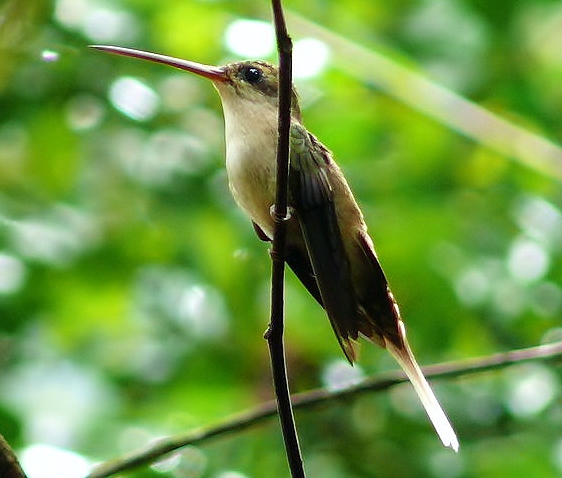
x,y
134,295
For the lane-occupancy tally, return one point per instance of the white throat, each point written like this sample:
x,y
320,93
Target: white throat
x,y
251,144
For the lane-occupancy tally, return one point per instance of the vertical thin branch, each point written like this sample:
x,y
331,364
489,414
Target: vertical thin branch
x,y
274,334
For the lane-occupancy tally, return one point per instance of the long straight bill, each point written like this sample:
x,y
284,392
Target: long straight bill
x,y
214,73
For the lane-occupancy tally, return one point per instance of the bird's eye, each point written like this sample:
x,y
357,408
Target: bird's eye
x,y
252,74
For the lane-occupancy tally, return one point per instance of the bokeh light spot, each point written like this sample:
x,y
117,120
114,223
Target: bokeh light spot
x,y
133,98
173,297
250,38
190,462
70,13
84,112
57,399
539,220
532,391
97,21
57,236
472,286
231,474
447,465
527,260
49,55
339,375
12,273
44,461
103,25
557,454
309,58
158,158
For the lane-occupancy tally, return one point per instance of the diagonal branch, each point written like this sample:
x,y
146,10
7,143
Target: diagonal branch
x,y
310,399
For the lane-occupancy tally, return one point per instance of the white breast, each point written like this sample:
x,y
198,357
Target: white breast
x,y
251,143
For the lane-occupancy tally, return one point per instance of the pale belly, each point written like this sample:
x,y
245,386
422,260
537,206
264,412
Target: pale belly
x,y
251,177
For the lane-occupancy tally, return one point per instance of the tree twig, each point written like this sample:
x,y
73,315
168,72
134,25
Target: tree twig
x,y
9,465
310,399
274,334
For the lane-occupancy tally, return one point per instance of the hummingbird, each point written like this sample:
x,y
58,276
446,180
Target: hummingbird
x,y
328,246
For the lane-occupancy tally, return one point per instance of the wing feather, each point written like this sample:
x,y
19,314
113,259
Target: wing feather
x,y
312,198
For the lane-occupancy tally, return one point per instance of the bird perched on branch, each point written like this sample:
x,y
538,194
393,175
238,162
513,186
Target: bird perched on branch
x,y
328,246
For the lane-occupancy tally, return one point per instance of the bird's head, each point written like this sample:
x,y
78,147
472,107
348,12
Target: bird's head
x,y
238,83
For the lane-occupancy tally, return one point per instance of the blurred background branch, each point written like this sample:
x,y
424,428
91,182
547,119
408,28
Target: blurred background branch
x,y
415,89
314,398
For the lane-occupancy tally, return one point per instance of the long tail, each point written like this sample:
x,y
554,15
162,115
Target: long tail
x,y
405,358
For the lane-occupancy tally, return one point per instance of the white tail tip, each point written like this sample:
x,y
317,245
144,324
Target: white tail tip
x,y
428,399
